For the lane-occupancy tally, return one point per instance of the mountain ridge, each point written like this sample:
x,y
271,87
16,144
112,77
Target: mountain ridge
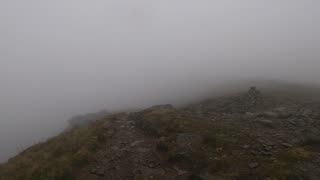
x,y
241,136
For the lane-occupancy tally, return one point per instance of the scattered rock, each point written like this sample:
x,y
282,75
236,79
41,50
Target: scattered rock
x,y
97,172
292,122
307,112
268,148
143,150
151,165
315,131
250,115
154,173
135,143
179,171
273,159
267,123
270,143
268,115
287,145
280,109
253,165
189,140
303,169
266,153
261,141
115,148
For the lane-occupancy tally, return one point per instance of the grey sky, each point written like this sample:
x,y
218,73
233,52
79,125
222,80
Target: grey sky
x,y
64,57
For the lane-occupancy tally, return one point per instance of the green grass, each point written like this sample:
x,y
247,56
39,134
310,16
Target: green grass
x,y
160,122
59,157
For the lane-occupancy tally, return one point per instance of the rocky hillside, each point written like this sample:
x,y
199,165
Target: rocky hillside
x,y
250,135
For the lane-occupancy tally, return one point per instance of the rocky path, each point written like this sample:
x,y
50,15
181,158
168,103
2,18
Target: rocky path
x,y
128,154
275,139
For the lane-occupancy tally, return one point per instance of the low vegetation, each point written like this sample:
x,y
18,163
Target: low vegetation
x,y
200,145
245,136
59,157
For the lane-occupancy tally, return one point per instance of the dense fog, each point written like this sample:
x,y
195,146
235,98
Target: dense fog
x,y
66,57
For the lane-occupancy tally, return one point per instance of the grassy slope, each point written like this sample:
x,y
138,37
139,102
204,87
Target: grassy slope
x,y
58,157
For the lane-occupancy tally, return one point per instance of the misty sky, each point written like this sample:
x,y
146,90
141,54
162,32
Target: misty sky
x,y
64,57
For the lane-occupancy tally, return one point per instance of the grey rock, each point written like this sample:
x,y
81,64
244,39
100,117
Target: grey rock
x,y
254,152
158,173
261,141
189,140
268,148
208,176
271,144
315,131
302,169
287,145
292,122
115,148
266,123
306,112
273,159
135,143
179,171
268,115
280,109
250,114
253,165
97,172
143,150
265,153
